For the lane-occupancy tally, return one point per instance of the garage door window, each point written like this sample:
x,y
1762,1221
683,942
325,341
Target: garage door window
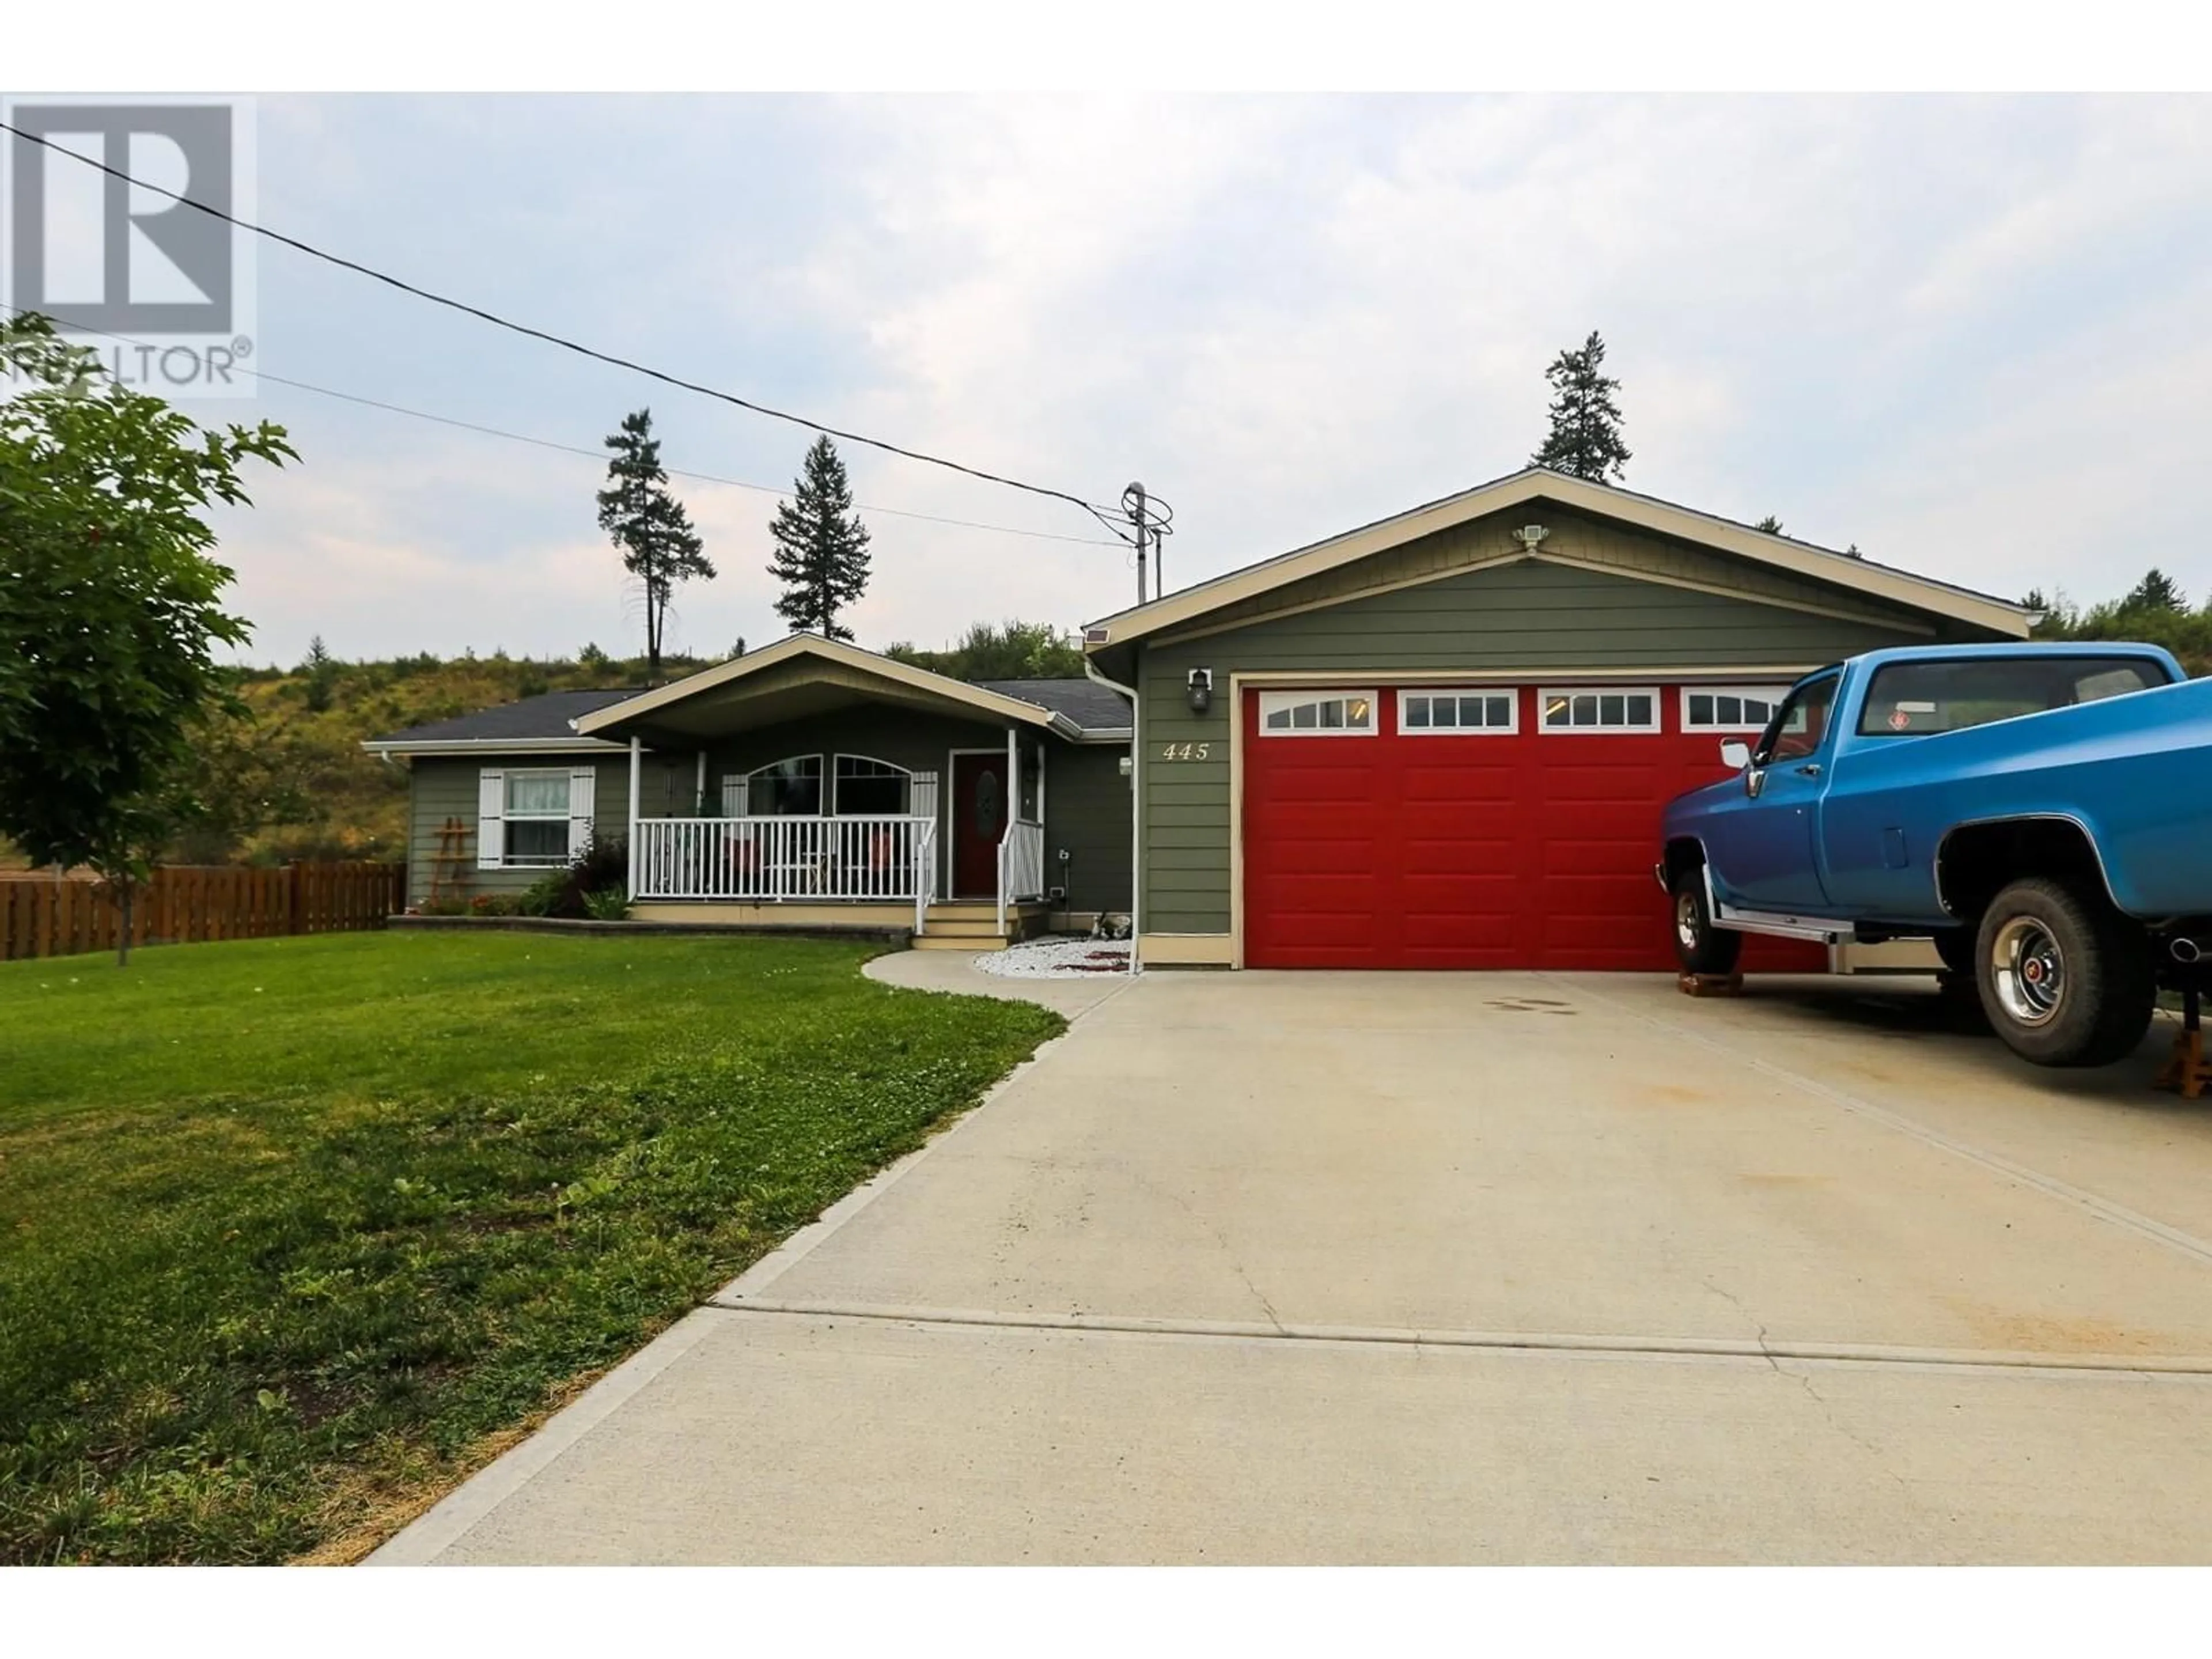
x,y
1573,708
1451,711
1731,708
1316,714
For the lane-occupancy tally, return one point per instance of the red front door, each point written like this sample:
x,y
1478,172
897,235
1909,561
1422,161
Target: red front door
x,y
979,821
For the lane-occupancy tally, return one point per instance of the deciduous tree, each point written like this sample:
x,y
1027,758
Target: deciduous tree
x,y
110,605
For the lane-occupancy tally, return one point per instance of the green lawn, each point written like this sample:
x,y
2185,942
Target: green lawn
x,y
297,1230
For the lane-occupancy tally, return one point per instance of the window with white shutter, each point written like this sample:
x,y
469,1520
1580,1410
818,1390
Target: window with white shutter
x,y
583,784
491,808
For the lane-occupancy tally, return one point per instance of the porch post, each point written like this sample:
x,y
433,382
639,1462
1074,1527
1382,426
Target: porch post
x,y
1014,811
699,792
636,748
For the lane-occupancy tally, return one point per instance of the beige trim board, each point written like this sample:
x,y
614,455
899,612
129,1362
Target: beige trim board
x,y
791,915
1360,678
1577,494
831,651
1184,949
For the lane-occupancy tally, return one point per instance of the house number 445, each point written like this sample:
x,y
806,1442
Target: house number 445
x,y
1182,751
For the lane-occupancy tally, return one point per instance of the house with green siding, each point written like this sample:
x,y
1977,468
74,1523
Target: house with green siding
x,y
1442,740
1445,739
809,784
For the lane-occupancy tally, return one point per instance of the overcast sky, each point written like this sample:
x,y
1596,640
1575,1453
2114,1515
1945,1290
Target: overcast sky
x,y
1967,334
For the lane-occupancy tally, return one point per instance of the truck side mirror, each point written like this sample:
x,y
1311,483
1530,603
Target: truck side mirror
x,y
1735,754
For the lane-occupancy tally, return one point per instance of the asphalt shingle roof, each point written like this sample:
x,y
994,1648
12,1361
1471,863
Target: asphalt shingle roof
x,y
1089,705
545,716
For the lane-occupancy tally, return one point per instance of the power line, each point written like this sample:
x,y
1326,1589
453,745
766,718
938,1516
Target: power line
x,y
599,454
565,343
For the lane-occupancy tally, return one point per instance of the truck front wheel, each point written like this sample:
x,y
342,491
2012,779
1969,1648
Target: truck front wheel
x,y
2064,978
1699,946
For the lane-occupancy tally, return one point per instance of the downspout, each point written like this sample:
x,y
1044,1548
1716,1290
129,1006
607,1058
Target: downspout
x,y
1136,804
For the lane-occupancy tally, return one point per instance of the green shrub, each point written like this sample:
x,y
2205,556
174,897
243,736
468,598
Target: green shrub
x,y
602,865
606,904
544,896
441,907
495,904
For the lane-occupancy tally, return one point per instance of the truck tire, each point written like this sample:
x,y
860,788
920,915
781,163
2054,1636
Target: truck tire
x,y
1699,946
2064,978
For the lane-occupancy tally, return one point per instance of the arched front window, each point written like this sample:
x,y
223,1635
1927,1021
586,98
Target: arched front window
x,y
872,788
786,789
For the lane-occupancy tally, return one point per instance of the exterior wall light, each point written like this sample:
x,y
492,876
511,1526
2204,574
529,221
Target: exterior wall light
x,y
1198,691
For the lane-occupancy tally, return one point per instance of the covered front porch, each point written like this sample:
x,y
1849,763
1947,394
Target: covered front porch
x,y
827,782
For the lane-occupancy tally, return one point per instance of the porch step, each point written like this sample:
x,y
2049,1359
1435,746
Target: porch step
x,y
936,941
984,926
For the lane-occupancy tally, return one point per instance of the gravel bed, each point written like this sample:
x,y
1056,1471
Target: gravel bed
x,y
1058,958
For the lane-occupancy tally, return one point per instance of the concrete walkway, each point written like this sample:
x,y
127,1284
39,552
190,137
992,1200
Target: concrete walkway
x,y
1511,1267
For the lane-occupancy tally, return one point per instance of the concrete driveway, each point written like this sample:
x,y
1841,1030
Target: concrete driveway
x,y
1328,1267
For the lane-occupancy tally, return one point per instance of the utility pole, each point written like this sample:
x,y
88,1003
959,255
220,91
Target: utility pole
x,y
1134,503
1155,522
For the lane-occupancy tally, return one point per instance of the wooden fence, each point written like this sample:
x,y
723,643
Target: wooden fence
x,y
186,904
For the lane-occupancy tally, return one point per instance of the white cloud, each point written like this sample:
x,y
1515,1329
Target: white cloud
x,y
1961,332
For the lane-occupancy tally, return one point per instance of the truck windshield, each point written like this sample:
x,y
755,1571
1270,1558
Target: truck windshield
x,y
1914,699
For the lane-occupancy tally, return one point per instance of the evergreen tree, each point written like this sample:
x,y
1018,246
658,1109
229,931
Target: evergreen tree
x,y
1770,523
2156,592
658,546
321,671
1585,440
821,547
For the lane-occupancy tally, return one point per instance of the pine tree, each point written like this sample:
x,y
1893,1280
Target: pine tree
x,y
1770,523
658,546
321,671
2156,592
821,547
1585,440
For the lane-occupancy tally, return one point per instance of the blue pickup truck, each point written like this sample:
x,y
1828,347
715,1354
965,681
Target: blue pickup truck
x,y
2043,813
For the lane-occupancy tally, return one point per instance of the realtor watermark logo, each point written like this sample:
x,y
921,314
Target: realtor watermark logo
x,y
162,292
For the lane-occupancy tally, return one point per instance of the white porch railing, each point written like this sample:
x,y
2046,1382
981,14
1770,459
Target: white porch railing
x,y
1021,866
775,859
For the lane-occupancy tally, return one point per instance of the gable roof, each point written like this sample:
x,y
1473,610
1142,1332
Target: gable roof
x,y
533,722
1531,485
1030,706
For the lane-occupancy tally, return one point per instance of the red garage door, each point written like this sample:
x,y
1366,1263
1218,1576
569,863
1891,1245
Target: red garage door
x,y
1476,826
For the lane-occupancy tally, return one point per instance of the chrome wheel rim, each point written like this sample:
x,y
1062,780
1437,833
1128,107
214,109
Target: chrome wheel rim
x,y
2029,970
1686,920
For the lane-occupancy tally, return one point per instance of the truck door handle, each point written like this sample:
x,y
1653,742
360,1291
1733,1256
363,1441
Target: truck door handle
x,y
1810,769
